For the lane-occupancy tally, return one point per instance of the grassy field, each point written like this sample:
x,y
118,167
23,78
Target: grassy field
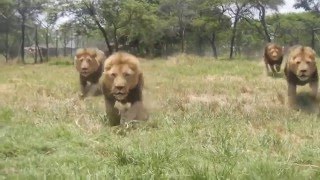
x,y
210,119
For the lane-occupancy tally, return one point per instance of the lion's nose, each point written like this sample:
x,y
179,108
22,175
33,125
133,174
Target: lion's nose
x,y
84,68
303,70
119,87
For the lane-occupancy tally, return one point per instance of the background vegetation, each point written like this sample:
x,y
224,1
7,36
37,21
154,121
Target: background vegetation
x,y
226,28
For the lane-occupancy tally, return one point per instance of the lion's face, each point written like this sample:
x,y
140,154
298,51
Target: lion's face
x,y
121,79
274,52
302,63
86,63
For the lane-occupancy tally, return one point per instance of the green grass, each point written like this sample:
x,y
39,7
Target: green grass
x,y
210,119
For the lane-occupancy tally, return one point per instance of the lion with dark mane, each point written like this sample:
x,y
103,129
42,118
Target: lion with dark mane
x,y
273,56
122,85
89,64
301,69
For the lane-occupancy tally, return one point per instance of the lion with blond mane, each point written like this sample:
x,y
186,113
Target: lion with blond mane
x,y
122,84
301,69
89,64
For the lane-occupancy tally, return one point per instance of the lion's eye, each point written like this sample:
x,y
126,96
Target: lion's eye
x,y
126,74
113,75
298,62
308,62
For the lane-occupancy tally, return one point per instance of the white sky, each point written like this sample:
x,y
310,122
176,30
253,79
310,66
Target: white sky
x,y
288,7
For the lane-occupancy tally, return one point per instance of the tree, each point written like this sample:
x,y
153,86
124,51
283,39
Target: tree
x,y
118,15
294,28
7,21
308,5
146,29
262,6
237,9
26,9
66,35
249,40
88,13
209,22
52,14
179,14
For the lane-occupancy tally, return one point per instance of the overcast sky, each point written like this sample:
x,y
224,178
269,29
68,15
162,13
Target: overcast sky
x,y
288,7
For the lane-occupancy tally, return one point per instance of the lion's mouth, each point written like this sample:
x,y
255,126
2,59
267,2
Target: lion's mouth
x,y
120,95
303,77
85,73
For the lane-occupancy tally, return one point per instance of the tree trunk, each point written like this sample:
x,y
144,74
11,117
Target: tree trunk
x,y
57,50
22,38
263,22
71,42
182,35
200,46
313,44
213,45
65,44
7,44
36,46
104,33
47,43
40,54
91,9
165,51
115,38
233,35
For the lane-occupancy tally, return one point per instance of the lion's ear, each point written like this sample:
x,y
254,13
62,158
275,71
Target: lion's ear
x,y
312,54
75,59
93,54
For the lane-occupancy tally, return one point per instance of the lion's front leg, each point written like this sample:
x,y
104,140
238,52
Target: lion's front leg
x,y
273,69
84,87
135,111
292,92
112,113
267,66
314,89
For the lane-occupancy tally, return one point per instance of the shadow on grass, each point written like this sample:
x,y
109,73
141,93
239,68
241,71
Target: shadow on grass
x,y
60,63
276,75
306,103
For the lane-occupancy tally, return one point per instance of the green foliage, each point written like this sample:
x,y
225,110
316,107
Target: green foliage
x,y
156,28
293,28
308,5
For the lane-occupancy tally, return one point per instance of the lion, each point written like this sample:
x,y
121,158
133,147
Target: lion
x,y
273,56
122,84
301,69
89,64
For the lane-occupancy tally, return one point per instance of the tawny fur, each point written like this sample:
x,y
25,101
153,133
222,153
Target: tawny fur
x,y
301,69
122,85
273,56
89,64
